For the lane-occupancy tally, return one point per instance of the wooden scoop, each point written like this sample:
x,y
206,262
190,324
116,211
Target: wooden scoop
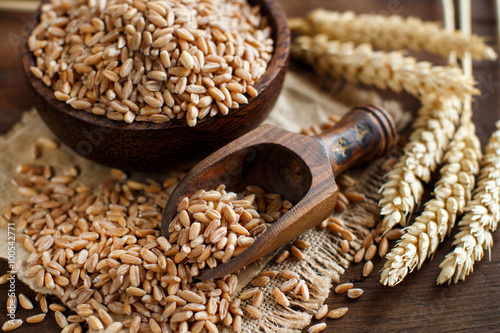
x,y
299,167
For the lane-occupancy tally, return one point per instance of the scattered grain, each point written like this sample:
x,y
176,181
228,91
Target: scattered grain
x,y
57,307
253,311
60,319
367,268
36,318
43,304
394,234
10,325
337,313
281,298
344,287
282,256
344,245
360,254
354,292
383,247
4,278
25,302
317,328
297,253
370,252
322,312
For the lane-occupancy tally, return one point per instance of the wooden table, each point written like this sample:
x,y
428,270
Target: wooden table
x,y
417,304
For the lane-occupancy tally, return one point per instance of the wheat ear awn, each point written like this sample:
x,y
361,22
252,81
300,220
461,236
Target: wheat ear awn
x,y
393,70
392,32
452,192
433,129
481,218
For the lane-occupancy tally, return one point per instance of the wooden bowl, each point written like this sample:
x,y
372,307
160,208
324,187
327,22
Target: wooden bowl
x,y
145,146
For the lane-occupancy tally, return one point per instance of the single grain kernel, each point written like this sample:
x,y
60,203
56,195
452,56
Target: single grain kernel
x,y
260,281
355,197
354,292
25,302
360,254
36,318
253,311
370,252
322,312
367,268
282,256
344,287
337,313
281,298
344,245
297,253
57,307
383,247
394,234
346,234
317,328
10,325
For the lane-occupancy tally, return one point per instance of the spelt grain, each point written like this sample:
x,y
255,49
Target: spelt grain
x,y
297,253
337,313
281,298
25,302
317,328
36,318
367,268
60,319
344,287
370,252
176,48
10,325
253,311
11,303
354,292
344,245
4,278
322,312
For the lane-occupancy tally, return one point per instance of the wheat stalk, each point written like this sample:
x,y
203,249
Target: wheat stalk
x,y
481,218
380,69
392,32
433,129
452,192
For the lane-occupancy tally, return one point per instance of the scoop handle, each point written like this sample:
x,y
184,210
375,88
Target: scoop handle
x,y
364,133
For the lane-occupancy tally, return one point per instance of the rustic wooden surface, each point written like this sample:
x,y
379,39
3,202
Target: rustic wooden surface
x,y
417,304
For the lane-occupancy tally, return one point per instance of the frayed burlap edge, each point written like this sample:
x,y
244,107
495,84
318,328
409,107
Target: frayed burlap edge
x,y
325,262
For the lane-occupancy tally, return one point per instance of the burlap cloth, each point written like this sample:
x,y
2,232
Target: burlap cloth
x,y
324,263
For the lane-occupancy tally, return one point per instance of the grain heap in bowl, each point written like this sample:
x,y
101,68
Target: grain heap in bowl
x,y
153,61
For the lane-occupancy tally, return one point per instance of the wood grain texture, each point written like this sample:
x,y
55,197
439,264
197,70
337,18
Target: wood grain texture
x,y
148,146
415,305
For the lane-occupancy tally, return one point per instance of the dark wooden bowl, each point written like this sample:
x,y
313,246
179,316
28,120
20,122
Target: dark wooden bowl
x,y
153,147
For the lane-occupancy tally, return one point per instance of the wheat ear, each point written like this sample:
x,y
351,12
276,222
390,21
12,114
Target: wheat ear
x,y
380,69
481,218
452,192
433,129
392,32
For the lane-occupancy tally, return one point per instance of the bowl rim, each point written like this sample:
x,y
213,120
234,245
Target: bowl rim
x,y
271,9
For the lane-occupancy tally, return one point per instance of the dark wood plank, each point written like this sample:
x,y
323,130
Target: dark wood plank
x,y
417,304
